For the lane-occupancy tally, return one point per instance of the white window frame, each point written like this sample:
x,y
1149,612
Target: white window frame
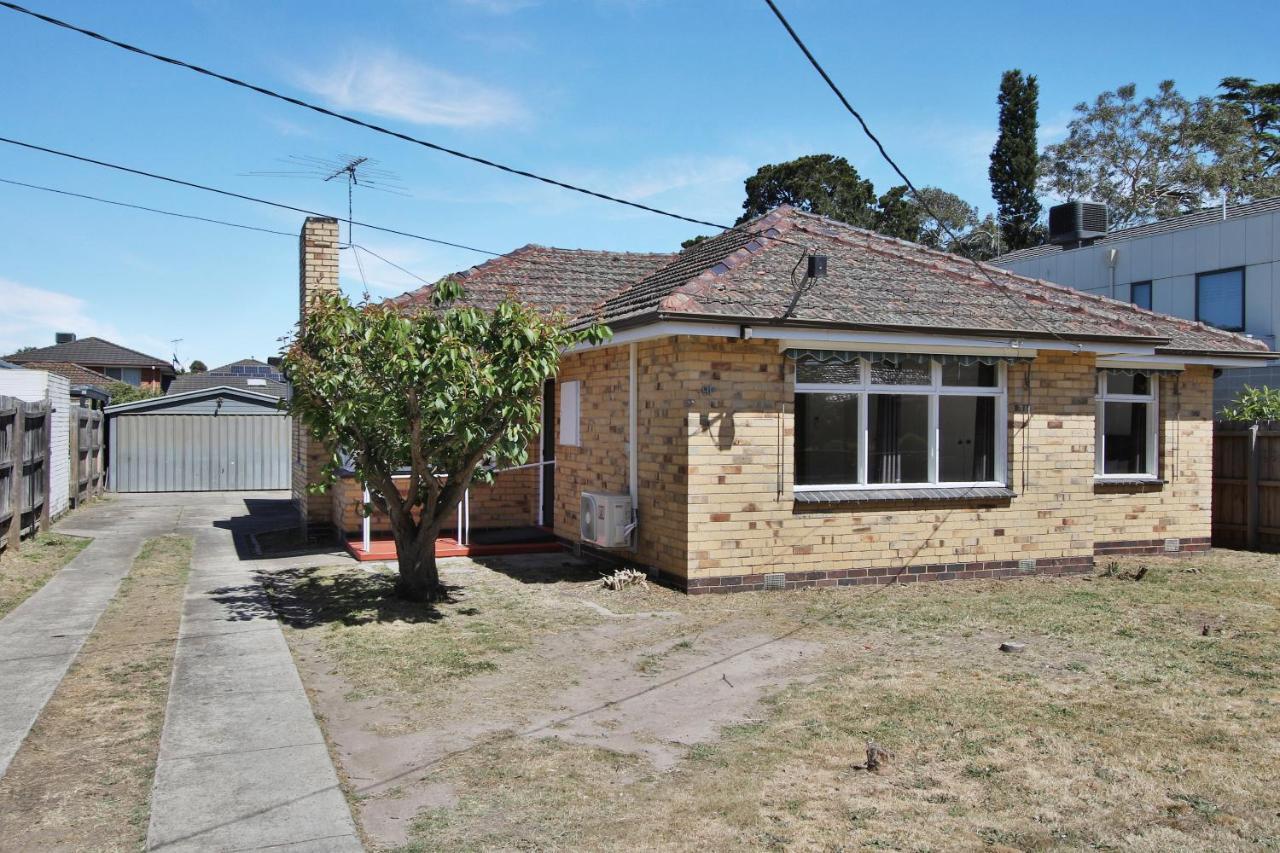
x,y
570,394
933,391
1152,401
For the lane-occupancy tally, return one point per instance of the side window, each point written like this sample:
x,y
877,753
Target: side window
x,y
1220,299
1140,294
570,413
1127,422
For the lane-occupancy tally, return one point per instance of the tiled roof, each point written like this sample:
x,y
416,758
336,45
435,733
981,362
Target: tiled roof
x,y
74,372
1175,223
247,373
92,351
877,282
568,280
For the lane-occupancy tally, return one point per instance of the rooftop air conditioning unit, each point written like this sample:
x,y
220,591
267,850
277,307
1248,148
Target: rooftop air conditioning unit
x,y
1077,222
605,519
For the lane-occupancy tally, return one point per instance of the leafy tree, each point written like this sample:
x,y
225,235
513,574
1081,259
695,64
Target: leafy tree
x,y
898,215
817,183
1149,158
199,366
692,241
1253,405
123,392
941,212
1259,105
448,395
1014,161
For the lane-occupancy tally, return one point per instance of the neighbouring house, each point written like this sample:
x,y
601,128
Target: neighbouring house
x,y
804,403
88,387
1220,265
249,374
117,363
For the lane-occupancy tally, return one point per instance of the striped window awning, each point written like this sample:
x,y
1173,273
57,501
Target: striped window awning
x,y
828,356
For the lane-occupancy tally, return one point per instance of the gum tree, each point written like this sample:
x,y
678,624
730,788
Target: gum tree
x,y
444,396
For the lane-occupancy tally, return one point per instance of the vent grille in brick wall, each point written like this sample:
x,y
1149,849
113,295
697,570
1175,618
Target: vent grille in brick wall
x,y
775,580
1026,565
1172,545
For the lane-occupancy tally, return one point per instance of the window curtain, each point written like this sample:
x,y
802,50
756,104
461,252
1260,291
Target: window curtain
x,y
888,461
983,440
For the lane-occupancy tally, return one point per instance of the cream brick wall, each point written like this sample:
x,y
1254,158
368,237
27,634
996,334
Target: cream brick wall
x,y
317,273
716,459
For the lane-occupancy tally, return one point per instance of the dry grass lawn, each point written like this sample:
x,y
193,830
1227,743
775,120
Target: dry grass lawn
x,y
24,572
1143,714
82,778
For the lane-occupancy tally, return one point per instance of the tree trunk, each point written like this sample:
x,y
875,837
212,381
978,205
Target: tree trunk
x,y
418,579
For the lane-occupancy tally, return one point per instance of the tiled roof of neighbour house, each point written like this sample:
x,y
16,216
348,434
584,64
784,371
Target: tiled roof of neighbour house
x,y
567,280
92,351
75,373
875,282
1161,226
248,373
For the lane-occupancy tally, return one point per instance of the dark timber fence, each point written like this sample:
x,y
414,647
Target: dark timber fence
x,y
1246,486
88,454
24,469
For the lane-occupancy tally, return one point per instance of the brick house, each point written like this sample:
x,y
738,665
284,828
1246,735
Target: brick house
x,y
823,405
117,363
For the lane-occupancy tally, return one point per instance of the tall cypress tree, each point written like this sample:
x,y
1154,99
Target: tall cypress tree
x,y
1014,161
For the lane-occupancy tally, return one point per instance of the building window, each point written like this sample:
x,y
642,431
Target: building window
x,y
1140,294
570,413
129,375
909,420
1220,299
1127,422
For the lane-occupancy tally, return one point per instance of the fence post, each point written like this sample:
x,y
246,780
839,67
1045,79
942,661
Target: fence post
x,y
73,455
15,478
46,468
1253,512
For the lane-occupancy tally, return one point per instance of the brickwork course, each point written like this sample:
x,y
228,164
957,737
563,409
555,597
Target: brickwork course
x,y
715,433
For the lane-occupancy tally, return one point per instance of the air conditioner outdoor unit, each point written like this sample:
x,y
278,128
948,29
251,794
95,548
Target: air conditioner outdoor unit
x,y
605,519
1077,222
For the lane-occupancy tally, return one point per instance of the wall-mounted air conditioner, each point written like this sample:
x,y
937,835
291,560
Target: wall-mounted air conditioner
x,y
605,519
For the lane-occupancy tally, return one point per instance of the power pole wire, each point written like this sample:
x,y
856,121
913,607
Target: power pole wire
x,y
241,196
298,102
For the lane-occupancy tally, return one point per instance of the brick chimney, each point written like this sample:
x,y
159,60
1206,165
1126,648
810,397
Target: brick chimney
x,y
317,274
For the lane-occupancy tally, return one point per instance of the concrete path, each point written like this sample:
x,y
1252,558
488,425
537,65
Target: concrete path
x,y
40,637
243,764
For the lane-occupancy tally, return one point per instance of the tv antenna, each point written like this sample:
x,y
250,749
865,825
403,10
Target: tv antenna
x,y
177,365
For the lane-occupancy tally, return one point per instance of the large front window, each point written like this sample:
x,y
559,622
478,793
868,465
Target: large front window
x,y
898,420
1127,420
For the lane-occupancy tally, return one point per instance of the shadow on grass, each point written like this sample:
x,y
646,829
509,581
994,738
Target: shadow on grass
x,y
313,597
546,568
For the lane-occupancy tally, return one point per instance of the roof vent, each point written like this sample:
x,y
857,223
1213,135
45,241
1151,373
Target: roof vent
x,y
256,383
1077,222
64,337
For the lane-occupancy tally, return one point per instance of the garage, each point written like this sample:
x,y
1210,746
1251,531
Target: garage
x,y
211,439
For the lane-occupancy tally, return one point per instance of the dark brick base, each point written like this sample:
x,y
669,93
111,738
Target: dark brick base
x,y
1149,546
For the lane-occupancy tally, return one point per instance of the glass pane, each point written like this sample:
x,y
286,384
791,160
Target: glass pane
x,y
909,370
1124,440
1220,299
1140,294
967,439
832,372
826,439
898,436
1122,383
970,376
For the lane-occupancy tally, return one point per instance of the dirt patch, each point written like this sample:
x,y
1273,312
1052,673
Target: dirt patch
x,y
1120,725
82,778
25,571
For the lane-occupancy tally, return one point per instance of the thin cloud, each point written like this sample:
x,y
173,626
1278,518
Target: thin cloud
x,y
496,7
386,84
32,316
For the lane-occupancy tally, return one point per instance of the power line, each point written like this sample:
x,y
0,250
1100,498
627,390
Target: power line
x,y
147,209
920,199
241,196
262,90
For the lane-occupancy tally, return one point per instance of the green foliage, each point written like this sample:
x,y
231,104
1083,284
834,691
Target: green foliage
x,y
1254,405
198,366
1259,105
123,392
898,215
692,241
1015,161
816,183
437,394
1158,156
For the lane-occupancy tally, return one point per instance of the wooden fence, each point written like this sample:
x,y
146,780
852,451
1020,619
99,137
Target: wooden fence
x,y
24,469
88,454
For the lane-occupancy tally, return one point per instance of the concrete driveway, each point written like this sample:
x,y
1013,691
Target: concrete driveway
x,y
242,762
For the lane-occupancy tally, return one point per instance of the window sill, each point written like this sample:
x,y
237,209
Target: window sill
x,y
1130,483
939,493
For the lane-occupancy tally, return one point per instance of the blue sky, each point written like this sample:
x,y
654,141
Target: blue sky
x,y
670,103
